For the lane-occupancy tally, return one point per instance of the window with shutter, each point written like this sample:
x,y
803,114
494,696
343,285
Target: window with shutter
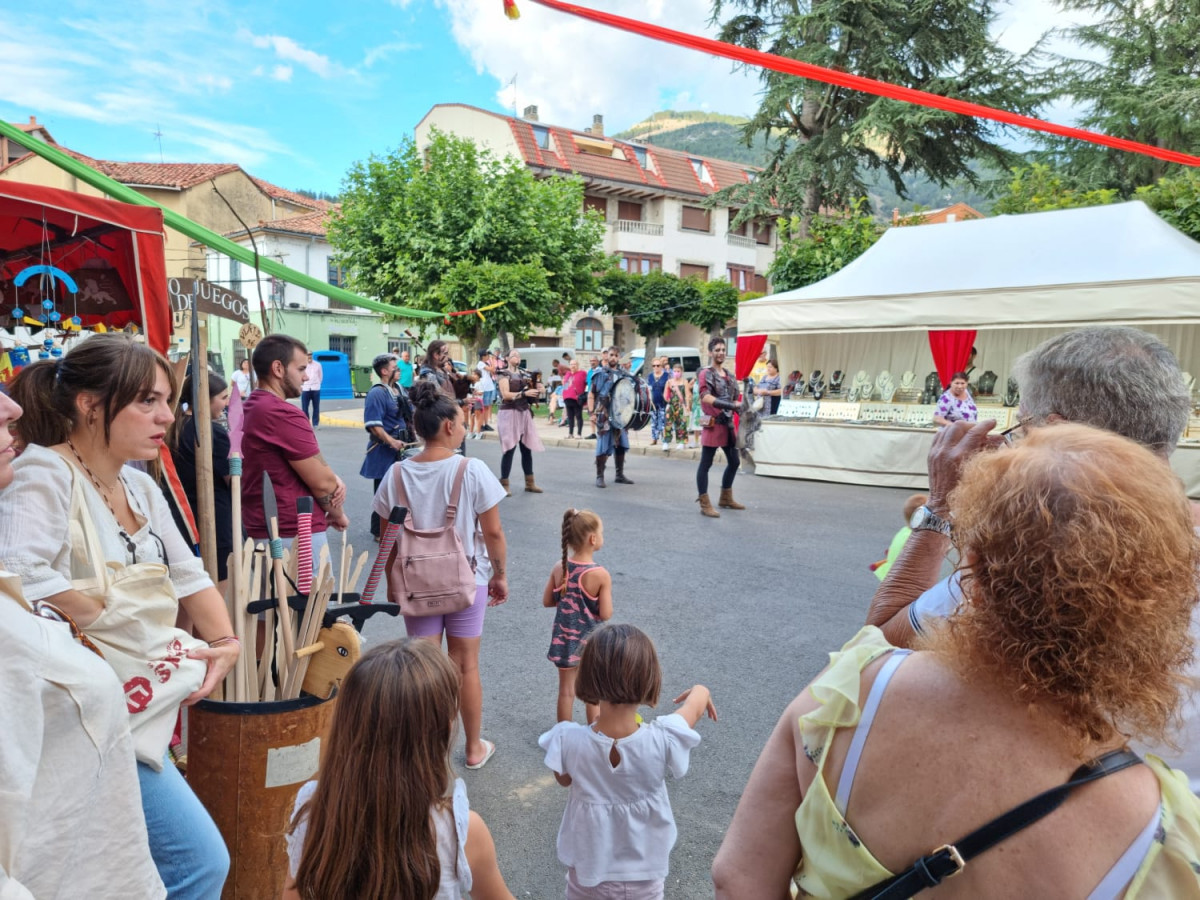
x,y
689,270
696,218
599,204
629,211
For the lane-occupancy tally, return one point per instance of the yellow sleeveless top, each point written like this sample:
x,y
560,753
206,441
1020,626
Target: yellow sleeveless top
x,y
835,864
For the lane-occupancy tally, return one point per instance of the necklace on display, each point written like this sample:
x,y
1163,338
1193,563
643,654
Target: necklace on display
x,y
104,492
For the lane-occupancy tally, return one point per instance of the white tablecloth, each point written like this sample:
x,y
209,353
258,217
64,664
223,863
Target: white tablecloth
x,y
881,455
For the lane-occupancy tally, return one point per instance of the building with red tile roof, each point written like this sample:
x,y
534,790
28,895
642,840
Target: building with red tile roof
x,y
652,200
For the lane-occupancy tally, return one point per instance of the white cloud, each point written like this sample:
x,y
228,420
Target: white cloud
x,y
288,49
281,73
383,51
572,68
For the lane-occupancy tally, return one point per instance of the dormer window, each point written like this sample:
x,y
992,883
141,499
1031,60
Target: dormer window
x,y
640,153
541,136
701,170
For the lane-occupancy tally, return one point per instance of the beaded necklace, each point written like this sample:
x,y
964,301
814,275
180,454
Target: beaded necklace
x,y
130,546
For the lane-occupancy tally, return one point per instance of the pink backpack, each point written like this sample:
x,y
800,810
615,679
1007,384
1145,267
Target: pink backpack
x,y
429,573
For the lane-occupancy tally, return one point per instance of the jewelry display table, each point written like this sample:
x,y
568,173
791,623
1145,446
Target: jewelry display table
x,y
880,455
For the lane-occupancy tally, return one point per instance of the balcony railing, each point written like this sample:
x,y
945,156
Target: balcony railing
x,y
639,228
737,240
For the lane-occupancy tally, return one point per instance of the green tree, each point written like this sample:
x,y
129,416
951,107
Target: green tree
x,y
718,304
656,303
1138,77
1041,187
830,242
823,137
451,228
1177,200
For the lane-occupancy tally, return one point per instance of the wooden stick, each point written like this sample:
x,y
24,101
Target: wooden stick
x,y
343,564
358,570
253,576
316,618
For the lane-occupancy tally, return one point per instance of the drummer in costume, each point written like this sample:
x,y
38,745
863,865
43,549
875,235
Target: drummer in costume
x,y
610,439
718,391
386,413
515,421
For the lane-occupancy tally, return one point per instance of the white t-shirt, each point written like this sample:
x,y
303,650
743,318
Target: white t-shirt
x,y
245,384
450,825
618,824
941,601
427,486
486,382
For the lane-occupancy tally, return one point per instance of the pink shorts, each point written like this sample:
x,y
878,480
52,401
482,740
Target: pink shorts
x,y
467,623
614,890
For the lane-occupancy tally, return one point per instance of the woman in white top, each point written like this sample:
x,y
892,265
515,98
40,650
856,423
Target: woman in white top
x,y
244,378
105,403
428,481
387,818
67,753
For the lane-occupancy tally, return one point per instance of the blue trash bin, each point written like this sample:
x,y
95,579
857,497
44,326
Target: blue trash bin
x,y
335,372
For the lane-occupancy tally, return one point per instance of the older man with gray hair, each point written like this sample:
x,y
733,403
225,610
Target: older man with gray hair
x,y
1113,377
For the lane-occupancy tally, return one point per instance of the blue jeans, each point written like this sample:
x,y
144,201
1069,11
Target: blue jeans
x,y
658,422
312,398
186,846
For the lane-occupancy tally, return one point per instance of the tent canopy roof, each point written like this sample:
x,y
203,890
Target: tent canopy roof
x,y
1103,264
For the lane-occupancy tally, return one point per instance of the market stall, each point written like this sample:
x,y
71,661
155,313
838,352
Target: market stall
x,y
1014,280
112,253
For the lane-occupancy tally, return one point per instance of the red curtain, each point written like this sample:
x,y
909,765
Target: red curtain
x,y
748,348
951,350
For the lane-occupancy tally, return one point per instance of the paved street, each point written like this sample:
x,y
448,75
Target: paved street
x,y
749,604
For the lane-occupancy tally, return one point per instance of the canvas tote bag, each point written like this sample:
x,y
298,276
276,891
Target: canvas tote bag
x,y
136,633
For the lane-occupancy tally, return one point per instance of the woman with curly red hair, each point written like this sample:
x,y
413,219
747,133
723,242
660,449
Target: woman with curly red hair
x,y
1073,641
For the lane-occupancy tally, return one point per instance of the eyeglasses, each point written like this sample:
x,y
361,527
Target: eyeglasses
x,y
53,613
1014,433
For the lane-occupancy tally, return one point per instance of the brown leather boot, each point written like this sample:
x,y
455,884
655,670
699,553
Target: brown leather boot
x,y
727,501
601,461
530,487
621,479
706,507
504,484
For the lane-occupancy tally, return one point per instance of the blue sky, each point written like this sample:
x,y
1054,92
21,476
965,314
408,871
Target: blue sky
x,y
297,92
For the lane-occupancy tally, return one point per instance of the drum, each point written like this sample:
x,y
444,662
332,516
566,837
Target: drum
x,y
631,403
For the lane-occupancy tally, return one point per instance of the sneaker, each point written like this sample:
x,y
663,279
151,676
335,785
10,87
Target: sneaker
x,y
666,447
487,428
680,446
591,437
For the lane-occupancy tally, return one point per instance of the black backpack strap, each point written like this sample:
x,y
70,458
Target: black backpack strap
x,y
950,859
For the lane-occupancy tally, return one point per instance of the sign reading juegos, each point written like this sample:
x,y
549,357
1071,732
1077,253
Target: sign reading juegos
x,y
210,298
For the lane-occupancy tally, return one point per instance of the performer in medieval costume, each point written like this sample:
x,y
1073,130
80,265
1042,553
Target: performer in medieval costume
x,y
610,439
718,391
517,391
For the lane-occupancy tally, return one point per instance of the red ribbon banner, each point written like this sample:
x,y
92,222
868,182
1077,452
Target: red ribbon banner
x,y
858,83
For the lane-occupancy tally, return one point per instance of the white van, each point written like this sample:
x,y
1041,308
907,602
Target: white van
x,y
541,359
689,356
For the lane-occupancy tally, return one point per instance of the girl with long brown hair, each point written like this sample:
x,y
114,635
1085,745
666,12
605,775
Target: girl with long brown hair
x,y
581,593
386,817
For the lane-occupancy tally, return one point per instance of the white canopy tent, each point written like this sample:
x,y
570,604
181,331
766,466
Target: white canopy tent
x,y
1020,279
1017,280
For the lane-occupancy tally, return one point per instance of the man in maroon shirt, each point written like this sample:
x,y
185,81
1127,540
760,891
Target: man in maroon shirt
x,y
278,439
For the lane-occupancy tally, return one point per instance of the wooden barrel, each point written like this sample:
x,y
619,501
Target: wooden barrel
x,y
246,761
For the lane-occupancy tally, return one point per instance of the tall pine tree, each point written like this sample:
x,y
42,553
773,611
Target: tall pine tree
x,y
1136,76
822,137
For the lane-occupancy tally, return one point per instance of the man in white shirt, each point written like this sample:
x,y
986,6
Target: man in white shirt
x,y
310,391
1111,377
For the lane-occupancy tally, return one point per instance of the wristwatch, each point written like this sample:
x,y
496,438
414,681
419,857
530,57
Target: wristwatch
x,y
925,519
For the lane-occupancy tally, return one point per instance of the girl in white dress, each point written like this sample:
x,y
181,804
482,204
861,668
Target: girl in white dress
x,y
618,830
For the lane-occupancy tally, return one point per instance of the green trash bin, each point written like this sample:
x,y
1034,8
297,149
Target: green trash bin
x,y
360,378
